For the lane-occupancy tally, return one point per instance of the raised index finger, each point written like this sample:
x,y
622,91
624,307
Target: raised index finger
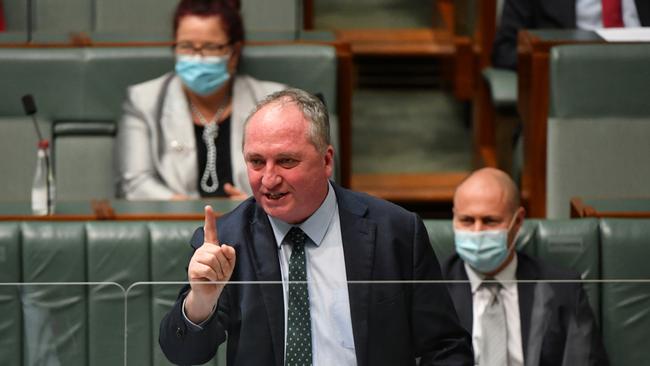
x,y
210,226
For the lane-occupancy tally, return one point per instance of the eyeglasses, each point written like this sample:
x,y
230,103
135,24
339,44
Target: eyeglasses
x,y
206,49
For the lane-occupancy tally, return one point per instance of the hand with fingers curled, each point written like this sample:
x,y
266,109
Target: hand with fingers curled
x,y
212,262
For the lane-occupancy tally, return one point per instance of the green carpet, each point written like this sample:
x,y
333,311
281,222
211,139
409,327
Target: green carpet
x,y
399,130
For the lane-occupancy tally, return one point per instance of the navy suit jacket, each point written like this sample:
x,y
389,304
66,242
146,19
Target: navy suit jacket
x,y
557,324
538,14
392,324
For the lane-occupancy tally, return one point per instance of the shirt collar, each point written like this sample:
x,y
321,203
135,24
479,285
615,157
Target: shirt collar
x,y
315,226
506,277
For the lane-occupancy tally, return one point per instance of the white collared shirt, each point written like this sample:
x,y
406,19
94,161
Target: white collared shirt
x,y
331,322
589,14
510,297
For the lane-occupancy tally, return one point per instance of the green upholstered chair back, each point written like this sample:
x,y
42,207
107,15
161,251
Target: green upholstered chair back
x,y
83,324
599,123
133,19
83,160
141,20
626,319
18,148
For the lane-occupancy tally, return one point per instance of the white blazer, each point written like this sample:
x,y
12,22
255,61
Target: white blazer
x,y
156,148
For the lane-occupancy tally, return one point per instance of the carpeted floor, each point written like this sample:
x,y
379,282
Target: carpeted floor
x,y
408,130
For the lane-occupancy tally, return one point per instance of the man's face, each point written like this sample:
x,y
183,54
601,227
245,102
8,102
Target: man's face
x,y
287,174
484,205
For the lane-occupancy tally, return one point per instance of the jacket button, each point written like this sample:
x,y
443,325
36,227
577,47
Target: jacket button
x,y
179,332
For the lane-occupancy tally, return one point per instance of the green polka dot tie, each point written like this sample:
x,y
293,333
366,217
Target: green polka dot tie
x,y
298,320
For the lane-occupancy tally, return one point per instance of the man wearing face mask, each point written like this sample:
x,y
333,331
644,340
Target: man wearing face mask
x,y
513,324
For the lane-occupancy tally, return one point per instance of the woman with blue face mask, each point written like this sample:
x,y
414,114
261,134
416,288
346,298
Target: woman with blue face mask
x,y
181,134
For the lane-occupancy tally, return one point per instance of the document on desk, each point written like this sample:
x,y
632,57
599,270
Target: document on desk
x,y
640,34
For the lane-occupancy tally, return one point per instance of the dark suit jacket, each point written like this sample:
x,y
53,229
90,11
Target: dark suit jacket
x,y
557,324
392,324
538,14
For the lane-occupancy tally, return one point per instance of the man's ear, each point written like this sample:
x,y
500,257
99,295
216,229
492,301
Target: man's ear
x,y
518,221
329,160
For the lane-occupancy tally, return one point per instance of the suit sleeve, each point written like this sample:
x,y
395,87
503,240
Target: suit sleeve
x,y
183,345
584,345
516,15
439,338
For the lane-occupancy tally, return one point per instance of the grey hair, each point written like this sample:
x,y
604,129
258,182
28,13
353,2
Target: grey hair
x,y
313,109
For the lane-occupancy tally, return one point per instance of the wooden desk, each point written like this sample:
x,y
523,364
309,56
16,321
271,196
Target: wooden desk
x,y
610,207
118,210
64,211
165,210
533,102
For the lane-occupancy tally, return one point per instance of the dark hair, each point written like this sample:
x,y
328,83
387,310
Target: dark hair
x,y
227,10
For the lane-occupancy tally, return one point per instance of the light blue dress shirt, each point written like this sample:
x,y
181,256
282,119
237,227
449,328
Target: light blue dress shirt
x,y
331,322
589,14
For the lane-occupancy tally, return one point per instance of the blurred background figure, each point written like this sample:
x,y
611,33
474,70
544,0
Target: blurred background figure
x,y
2,17
562,14
540,323
181,134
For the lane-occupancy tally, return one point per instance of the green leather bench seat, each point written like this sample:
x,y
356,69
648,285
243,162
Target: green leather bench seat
x,y
83,324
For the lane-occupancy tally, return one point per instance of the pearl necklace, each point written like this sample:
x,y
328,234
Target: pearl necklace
x,y
210,133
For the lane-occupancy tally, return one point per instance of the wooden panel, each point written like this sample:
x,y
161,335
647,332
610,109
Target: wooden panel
x,y
402,42
412,187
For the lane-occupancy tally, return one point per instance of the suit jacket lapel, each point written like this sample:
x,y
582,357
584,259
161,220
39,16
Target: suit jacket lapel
x,y
643,10
179,171
526,294
560,12
461,294
358,235
264,254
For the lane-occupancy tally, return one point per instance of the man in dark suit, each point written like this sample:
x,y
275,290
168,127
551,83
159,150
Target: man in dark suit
x,y
307,237
561,14
540,323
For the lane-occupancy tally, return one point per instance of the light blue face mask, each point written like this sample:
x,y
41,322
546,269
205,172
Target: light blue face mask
x,y
483,250
202,75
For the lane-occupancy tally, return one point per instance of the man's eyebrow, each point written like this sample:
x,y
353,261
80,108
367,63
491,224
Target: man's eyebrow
x,y
286,155
251,155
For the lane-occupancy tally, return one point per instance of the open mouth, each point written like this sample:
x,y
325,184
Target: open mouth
x,y
274,196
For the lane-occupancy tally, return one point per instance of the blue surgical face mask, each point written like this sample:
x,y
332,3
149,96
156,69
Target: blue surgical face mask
x,y
483,250
202,75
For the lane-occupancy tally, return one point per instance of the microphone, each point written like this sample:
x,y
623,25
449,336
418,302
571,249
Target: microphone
x,y
30,109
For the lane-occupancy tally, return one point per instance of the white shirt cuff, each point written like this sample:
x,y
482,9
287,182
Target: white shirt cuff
x,y
190,324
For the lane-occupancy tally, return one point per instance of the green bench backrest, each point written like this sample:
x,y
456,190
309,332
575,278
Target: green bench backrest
x,y
83,324
626,306
599,124
18,147
126,20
